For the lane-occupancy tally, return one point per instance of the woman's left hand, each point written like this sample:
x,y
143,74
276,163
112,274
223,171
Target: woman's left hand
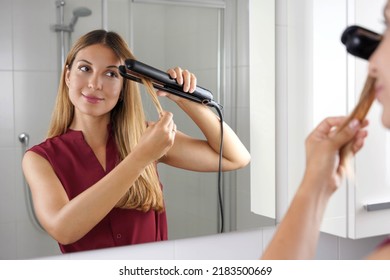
x,y
184,78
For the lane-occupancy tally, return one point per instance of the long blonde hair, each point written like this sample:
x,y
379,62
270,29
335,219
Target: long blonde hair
x,y
127,120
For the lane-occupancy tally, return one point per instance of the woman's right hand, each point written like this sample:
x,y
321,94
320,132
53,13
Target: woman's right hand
x,y
323,150
158,138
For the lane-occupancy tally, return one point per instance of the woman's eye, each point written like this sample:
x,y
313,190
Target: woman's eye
x,y
112,74
84,68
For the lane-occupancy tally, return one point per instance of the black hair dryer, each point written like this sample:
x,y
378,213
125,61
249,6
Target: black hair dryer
x,y
360,41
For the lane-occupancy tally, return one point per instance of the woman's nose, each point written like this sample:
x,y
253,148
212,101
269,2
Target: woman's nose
x,y
95,82
375,60
372,66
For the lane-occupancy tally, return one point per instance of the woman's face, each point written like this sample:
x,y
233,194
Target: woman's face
x,y
380,69
94,82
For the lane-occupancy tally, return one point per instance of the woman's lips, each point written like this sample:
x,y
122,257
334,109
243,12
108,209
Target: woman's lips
x,y
92,99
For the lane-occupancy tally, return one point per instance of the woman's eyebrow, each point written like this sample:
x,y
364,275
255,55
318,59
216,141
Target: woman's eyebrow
x,y
84,60
90,63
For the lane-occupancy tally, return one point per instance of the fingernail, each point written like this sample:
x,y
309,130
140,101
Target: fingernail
x,y
354,124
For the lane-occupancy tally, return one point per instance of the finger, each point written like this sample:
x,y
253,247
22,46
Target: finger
x,y
364,123
325,128
174,128
359,141
149,123
327,124
193,83
179,75
186,80
172,73
346,134
166,118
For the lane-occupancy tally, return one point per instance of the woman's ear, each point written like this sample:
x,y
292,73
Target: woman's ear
x,y
67,74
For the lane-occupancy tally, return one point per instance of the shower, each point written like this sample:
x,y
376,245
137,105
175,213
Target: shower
x,y
78,12
63,28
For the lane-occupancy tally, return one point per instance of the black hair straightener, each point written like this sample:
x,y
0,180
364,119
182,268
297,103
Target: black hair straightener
x,y
135,70
360,41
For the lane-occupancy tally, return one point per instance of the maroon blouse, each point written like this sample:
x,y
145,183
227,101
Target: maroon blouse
x,y
77,168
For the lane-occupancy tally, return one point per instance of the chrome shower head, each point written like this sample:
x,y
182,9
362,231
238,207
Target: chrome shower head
x,y
79,12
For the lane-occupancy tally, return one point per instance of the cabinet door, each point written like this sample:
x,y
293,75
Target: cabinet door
x,y
338,79
371,185
329,93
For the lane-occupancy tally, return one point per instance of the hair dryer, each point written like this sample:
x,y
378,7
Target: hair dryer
x,y
360,41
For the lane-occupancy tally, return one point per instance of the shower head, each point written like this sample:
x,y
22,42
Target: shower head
x,y
79,12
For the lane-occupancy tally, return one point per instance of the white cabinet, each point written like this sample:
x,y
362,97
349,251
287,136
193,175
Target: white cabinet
x,y
337,82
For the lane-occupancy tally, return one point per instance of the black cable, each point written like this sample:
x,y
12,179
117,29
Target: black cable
x,y
218,108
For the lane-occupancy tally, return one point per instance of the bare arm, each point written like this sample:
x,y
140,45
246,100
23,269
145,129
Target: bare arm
x,y
203,155
297,235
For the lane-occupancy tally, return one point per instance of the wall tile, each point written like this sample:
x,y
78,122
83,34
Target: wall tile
x,y
33,243
6,110
35,94
267,235
8,203
328,247
8,241
358,249
6,35
35,45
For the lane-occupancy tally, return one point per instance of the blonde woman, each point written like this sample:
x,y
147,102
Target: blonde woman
x,y
94,181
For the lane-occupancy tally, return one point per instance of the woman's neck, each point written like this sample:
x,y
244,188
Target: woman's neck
x,y
95,129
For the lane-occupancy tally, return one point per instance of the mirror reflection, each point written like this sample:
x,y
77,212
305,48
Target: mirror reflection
x,y
203,45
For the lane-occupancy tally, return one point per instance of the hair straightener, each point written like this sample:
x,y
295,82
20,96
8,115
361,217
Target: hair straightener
x,y
135,70
360,41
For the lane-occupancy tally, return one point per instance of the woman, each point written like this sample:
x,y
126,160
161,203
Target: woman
x,y
297,234
94,181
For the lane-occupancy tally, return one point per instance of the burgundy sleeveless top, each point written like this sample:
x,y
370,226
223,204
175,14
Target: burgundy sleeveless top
x,y
385,242
77,168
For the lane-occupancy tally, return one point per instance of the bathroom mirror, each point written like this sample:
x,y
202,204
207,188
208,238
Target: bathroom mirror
x,y
209,37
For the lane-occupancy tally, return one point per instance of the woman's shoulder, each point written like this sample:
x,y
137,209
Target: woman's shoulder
x,y
382,251
57,143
